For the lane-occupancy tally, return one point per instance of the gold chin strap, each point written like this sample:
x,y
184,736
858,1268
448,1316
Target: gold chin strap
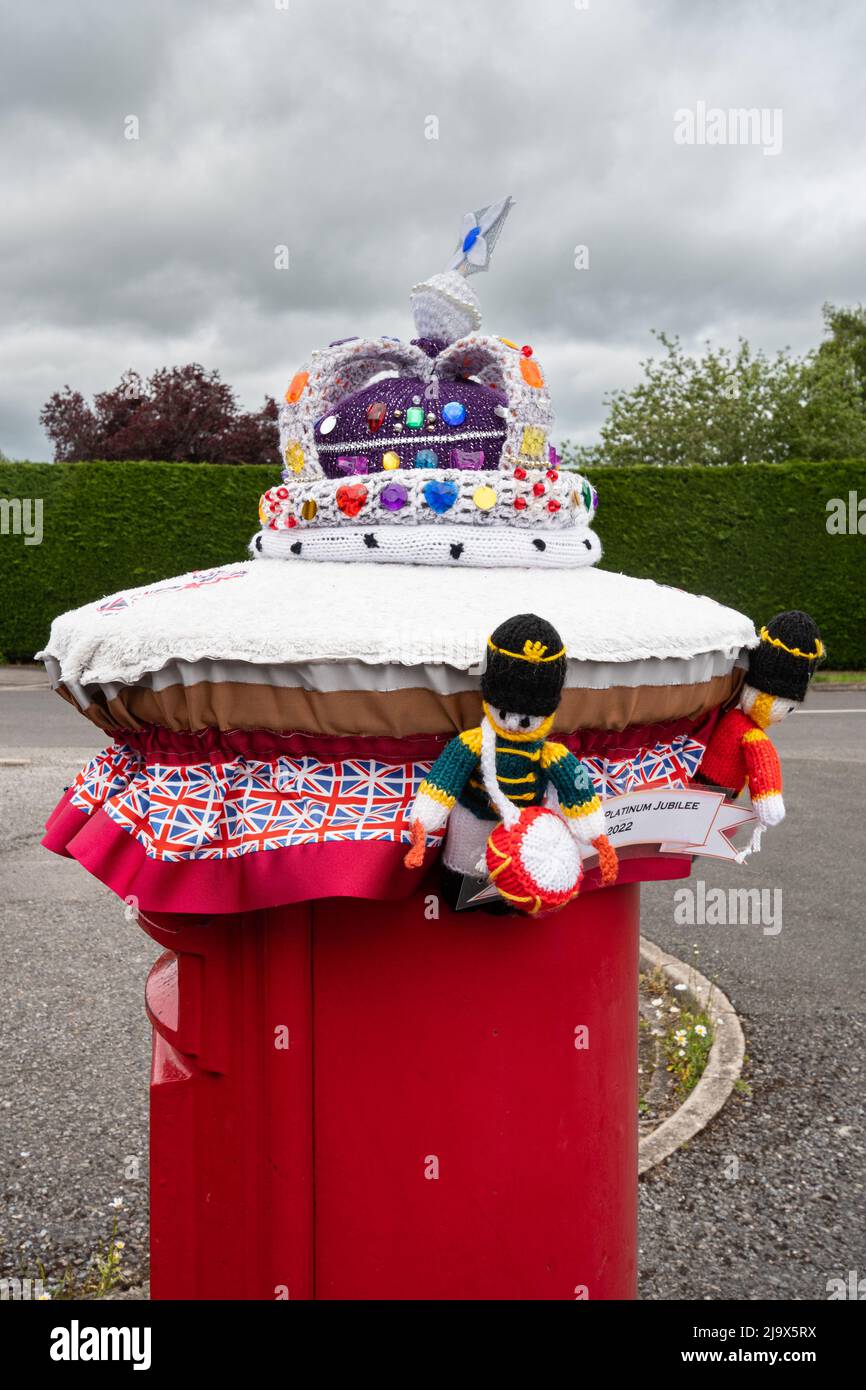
x,y
524,736
793,651
532,651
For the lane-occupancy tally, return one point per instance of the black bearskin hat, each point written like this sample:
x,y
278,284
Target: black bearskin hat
x,y
525,668
784,661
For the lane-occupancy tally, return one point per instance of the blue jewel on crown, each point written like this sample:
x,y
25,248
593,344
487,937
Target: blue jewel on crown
x,y
440,496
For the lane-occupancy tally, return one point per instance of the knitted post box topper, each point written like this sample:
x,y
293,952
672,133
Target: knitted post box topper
x,y
739,752
509,794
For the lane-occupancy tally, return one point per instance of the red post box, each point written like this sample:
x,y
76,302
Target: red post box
x,y
356,1094
371,1096
361,1100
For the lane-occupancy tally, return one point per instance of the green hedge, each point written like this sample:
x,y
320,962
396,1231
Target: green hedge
x,y
752,537
110,526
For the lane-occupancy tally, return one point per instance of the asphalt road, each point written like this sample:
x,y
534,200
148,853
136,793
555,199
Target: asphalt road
x,y
766,1203
75,1057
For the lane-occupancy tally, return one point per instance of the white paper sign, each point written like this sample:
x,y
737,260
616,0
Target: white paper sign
x,y
679,820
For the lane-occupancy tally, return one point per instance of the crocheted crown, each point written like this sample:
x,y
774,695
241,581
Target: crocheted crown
x,y
433,451
787,655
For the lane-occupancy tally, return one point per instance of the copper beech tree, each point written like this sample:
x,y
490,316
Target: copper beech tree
x,y
183,414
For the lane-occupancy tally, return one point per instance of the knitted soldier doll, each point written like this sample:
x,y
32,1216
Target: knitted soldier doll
x,y
508,765
778,675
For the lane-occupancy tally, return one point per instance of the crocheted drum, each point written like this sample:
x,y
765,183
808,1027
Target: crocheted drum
x,y
535,864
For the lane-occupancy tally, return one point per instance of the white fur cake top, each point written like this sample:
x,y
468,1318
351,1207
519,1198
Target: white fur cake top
x,y
268,612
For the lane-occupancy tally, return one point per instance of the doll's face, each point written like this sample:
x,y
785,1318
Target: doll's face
x,y
519,723
765,709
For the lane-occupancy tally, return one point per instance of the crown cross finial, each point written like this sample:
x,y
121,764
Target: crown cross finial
x,y
478,236
445,307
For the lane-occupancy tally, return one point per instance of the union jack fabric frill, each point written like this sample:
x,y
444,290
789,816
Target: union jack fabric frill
x,y
199,580
675,763
222,810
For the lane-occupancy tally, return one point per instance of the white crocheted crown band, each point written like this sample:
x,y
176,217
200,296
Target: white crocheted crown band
x,y
444,544
531,498
450,431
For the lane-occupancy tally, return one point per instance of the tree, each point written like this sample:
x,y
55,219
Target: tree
x,y
847,329
180,413
738,406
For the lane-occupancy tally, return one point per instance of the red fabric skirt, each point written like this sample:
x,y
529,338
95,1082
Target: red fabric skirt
x,y
227,822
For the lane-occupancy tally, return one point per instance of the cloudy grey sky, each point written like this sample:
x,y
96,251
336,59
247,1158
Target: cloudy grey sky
x,y
305,123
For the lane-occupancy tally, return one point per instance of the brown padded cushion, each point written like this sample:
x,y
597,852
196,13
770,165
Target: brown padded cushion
x,y
396,713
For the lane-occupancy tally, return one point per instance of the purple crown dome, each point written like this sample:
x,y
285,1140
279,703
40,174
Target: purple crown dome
x,y
432,346
403,422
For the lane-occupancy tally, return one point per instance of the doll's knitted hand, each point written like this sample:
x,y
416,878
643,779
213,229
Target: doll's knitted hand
x,y
587,828
432,805
770,810
432,813
428,816
607,860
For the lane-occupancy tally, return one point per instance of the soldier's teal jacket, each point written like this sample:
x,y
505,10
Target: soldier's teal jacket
x,y
526,765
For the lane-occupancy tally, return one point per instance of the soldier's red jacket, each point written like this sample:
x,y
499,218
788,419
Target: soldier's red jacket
x,y
739,752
